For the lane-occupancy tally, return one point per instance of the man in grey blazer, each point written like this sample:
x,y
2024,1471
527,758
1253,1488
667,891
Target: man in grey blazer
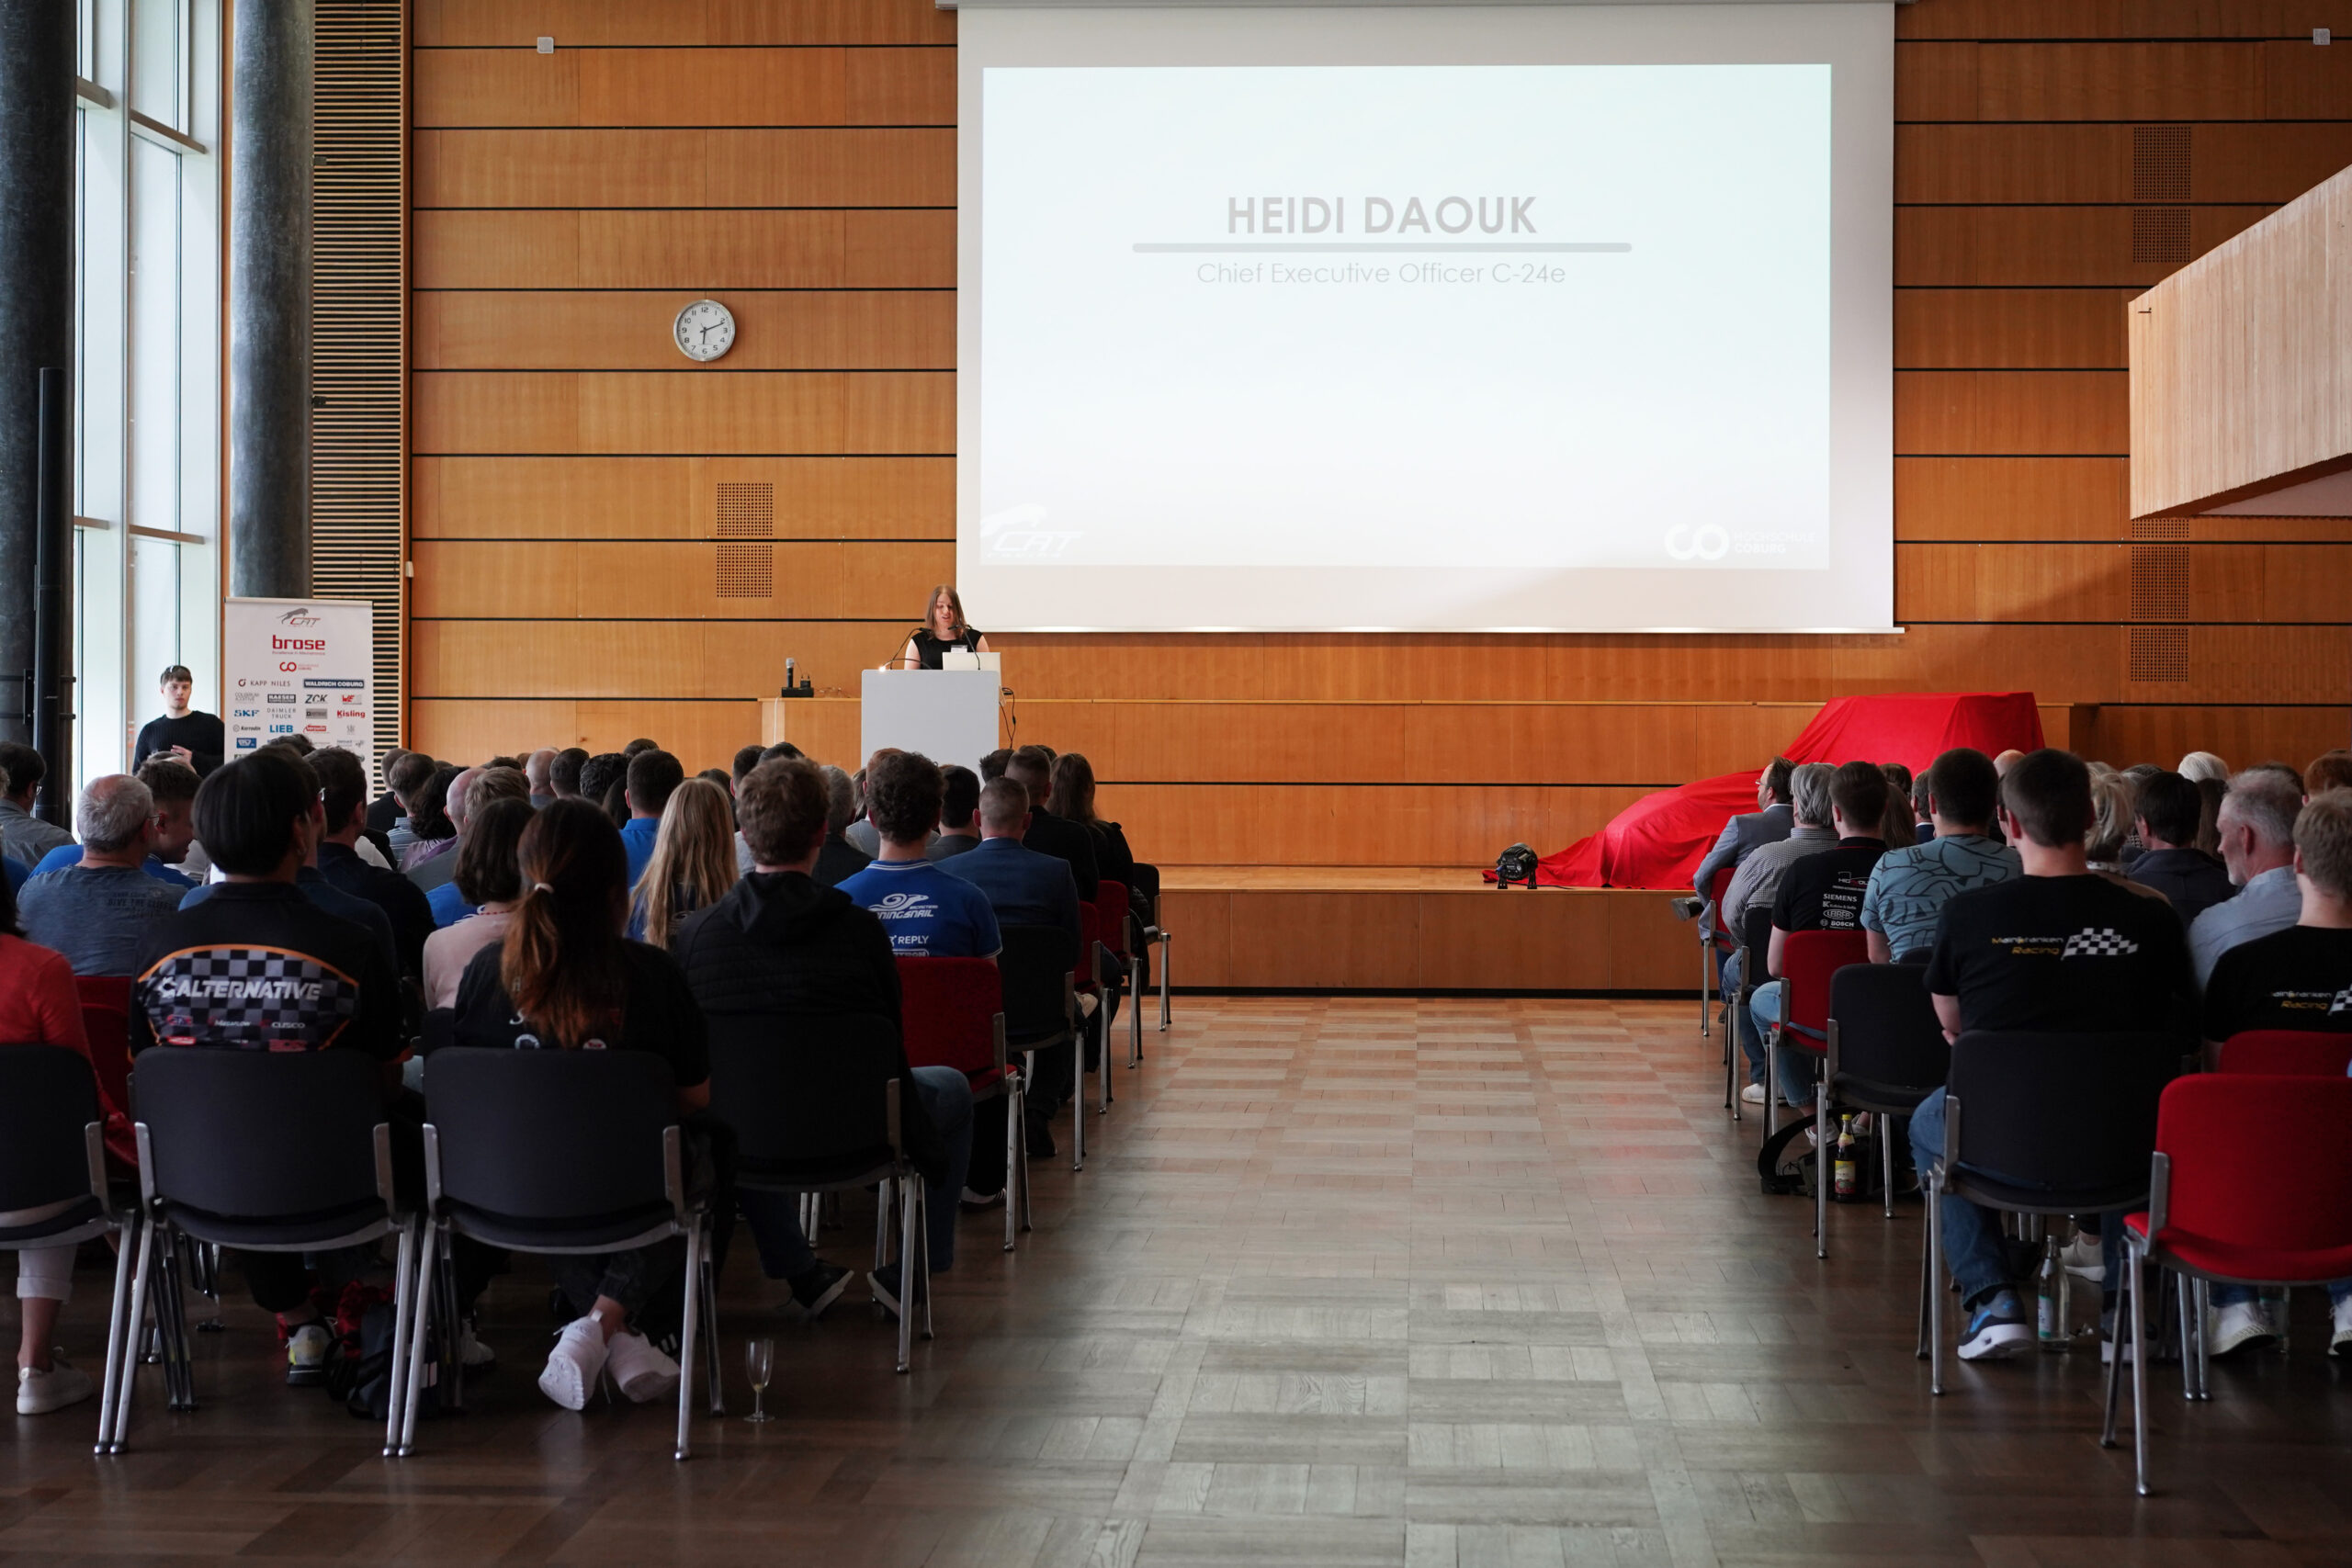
x,y
1768,824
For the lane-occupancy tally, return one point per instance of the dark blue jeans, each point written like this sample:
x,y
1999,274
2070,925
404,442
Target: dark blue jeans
x,y
1972,1236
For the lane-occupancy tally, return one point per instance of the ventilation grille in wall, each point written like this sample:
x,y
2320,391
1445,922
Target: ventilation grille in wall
x,y
746,571
746,511
2160,527
2160,163
2159,655
2160,236
2160,582
358,280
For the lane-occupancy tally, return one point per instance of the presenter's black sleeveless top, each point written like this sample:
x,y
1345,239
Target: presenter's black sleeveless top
x,y
929,649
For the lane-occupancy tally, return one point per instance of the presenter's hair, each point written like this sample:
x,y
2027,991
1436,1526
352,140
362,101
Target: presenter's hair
x,y
955,608
902,793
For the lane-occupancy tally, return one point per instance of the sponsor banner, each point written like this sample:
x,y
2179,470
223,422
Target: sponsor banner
x,y
298,666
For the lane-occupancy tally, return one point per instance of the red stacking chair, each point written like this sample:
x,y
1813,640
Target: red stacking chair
x,y
1808,959
2287,1052
1118,935
953,1011
106,1019
2251,1184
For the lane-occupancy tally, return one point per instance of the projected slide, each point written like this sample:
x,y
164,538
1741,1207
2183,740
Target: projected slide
x,y
1528,316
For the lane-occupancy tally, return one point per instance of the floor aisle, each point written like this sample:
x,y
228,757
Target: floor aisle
x,y
1352,1281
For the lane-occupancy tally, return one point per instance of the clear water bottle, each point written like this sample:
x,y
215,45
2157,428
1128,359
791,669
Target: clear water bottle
x,y
2050,1299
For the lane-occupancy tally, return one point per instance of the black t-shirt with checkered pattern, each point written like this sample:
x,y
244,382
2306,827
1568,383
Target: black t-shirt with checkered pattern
x,y
2297,978
2072,954
257,965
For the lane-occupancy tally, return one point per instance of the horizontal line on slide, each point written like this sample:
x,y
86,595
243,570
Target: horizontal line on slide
x,y
674,539
428,452
1382,247
687,370
634,288
2112,202
770,125
749,207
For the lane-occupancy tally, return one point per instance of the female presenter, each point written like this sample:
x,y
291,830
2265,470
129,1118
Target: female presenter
x,y
944,631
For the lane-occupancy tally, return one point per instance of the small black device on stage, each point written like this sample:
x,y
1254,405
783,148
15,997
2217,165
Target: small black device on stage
x,y
1516,863
805,689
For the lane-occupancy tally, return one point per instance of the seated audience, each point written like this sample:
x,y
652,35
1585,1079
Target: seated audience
x,y
746,759
565,978
780,946
2298,979
924,911
2112,819
171,786
539,772
863,835
1758,882
38,1006
640,744
431,869
1050,833
343,793
439,876
563,775
992,766
385,809
2201,765
2056,948
490,882
2008,760
600,774
721,777
2329,770
25,838
2210,794
692,864
1899,831
840,860
1824,893
1768,824
653,776
2137,775
260,818
1923,826
15,873
431,833
409,776
1908,888
1073,800
2257,827
2168,806
100,911
959,799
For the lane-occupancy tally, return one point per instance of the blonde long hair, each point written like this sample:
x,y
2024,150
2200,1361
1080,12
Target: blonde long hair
x,y
694,859
931,612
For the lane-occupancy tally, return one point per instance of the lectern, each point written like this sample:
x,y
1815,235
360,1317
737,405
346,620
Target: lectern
x,y
949,716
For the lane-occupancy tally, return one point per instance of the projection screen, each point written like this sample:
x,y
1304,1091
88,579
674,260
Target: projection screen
x,y
1518,318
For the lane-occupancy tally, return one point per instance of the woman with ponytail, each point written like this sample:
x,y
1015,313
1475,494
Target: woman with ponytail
x,y
564,979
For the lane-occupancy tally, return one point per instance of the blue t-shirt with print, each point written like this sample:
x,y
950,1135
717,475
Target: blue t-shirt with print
x,y
926,912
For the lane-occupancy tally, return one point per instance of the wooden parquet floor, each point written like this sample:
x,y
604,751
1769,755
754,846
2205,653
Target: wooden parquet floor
x,y
1345,1281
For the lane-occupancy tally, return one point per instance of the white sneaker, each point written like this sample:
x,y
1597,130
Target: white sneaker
x,y
38,1393
2081,1258
2341,1344
473,1352
1753,1094
644,1371
2239,1326
306,1355
983,1199
575,1364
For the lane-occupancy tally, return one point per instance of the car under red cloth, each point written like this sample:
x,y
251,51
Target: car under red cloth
x,y
1659,839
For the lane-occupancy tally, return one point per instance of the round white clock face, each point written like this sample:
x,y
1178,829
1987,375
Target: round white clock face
x,y
704,330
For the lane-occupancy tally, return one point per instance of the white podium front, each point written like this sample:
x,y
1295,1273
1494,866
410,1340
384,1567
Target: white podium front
x,y
949,716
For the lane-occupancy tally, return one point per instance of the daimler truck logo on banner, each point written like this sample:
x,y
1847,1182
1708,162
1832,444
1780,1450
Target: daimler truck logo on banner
x,y
319,654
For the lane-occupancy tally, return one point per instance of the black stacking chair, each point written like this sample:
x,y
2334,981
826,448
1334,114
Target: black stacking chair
x,y
257,1151
563,1152
53,1150
2066,1121
1755,943
1887,1054
1039,964
815,1102
1150,933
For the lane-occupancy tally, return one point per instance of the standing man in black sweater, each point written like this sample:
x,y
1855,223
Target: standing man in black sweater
x,y
196,738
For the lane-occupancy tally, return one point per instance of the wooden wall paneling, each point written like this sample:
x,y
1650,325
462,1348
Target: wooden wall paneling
x,y
1275,823
901,87
495,250
669,23
714,87
1202,953
704,250
2013,582
532,166
812,580
2059,412
559,497
1935,81
1998,329
1545,939
683,661
501,579
2127,734
871,166
2029,246
686,412
701,735
2297,582
827,729
500,414
2168,79
1314,938
2300,81
2070,19
1649,950
2012,497
2234,162
898,250
2263,664
912,413
474,729
630,329
495,86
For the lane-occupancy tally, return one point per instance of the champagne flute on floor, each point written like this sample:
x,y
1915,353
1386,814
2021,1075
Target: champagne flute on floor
x,y
759,1361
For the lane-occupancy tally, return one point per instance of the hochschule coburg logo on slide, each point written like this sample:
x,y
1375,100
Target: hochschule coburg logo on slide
x,y
1708,541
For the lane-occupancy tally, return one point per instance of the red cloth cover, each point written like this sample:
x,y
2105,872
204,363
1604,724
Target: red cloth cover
x,y
1659,839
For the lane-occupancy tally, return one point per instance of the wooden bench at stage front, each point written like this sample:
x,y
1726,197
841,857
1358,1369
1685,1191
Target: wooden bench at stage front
x,y
1406,928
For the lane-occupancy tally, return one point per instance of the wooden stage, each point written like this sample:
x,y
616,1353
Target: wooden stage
x,y
1415,928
